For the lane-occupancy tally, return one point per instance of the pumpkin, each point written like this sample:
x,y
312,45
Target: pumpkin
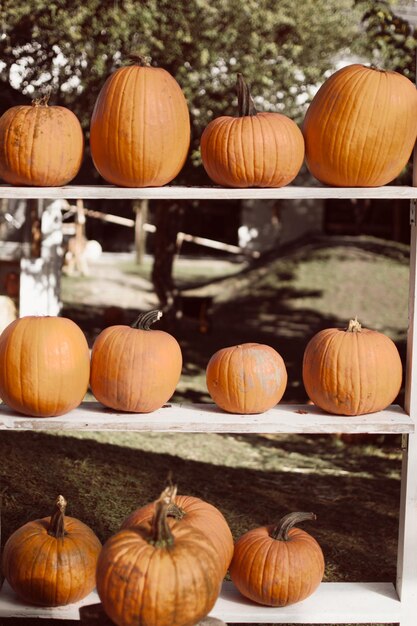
x,y
196,513
134,368
280,565
253,149
158,574
52,561
247,378
351,371
40,145
44,365
360,127
140,127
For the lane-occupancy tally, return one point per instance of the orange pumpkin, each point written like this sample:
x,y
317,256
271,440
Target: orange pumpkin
x,y
247,378
253,149
134,368
158,574
196,513
44,365
360,127
353,371
280,565
52,561
140,127
40,145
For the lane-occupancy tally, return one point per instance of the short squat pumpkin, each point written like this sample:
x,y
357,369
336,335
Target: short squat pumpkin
x,y
351,371
52,561
246,378
158,574
360,127
140,127
278,565
254,149
135,368
195,513
44,365
40,145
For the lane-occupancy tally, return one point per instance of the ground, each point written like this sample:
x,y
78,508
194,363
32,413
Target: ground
x,y
253,479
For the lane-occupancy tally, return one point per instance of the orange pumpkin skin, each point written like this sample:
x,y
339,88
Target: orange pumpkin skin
x,y
156,574
360,127
140,127
353,371
40,145
52,567
196,513
44,365
275,571
253,150
135,369
247,378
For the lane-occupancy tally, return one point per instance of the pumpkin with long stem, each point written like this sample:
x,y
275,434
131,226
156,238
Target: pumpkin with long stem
x,y
255,149
135,368
52,561
158,574
278,565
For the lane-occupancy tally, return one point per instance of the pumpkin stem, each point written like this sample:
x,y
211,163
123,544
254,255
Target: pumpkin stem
x,y
57,522
245,103
136,58
354,326
161,533
281,530
43,100
145,320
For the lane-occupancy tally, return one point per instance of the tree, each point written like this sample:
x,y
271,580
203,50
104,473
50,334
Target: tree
x,y
283,50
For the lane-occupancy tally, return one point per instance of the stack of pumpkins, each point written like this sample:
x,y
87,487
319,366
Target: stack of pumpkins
x,y
359,131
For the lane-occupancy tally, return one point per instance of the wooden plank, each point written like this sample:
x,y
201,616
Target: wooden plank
x,y
95,192
333,603
290,418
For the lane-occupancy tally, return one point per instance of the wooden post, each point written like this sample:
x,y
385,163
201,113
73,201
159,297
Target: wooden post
x,y
140,208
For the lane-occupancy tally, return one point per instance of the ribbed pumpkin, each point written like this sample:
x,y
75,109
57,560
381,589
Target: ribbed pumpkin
x,y
140,127
157,574
196,513
134,368
280,565
44,365
52,561
352,371
253,149
247,378
40,145
360,127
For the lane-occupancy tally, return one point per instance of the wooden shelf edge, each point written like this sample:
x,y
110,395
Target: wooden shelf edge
x,y
334,603
207,418
95,192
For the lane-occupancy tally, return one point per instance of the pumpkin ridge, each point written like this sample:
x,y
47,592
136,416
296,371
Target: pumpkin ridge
x,y
379,142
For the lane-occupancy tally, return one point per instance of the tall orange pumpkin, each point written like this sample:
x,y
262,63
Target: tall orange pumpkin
x,y
44,365
360,127
278,565
247,378
158,574
40,145
52,561
353,371
135,368
140,127
253,149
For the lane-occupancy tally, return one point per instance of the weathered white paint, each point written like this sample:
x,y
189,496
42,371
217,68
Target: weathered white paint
x,y
207,418
202,193
331,603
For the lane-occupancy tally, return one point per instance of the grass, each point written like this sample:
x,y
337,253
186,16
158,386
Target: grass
x,y
253,479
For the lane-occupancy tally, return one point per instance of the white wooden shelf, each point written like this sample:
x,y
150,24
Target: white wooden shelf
x,y
333,603
207,418
96,192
